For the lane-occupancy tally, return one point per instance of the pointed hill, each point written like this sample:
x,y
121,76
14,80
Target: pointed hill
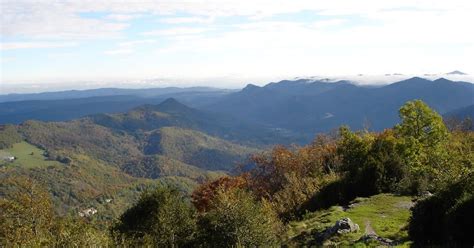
x,y
172,113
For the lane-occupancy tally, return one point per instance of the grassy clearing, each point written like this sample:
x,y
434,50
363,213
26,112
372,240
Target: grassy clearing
x,y
26,155
386,214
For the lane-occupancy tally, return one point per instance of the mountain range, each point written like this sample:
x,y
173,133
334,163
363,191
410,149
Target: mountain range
x,y
283,112
310,107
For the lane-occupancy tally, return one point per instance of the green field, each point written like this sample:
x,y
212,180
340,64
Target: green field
x,y
385,214
26,155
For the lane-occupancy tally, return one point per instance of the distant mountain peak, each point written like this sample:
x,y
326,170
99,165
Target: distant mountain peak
x,y
170,101
171,104
250,87
456,73
168,105
416,79
442,80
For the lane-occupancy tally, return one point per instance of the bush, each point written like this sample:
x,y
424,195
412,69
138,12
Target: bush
x,y
445,218
236,219
161,218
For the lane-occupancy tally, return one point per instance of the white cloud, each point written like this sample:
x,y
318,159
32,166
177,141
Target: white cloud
x,y
62,19
188,20
353,36
134,43
30,45
128,47
176,31
119,51
328,23
52,20
122,17
50,17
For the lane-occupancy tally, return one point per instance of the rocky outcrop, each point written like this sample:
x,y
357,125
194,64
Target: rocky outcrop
x,y
342,226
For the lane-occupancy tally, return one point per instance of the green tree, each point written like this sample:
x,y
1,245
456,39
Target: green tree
x,y
423,147
237,219
421,123
161,217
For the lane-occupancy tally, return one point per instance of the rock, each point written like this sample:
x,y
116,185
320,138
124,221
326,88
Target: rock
x,y
342,226
374,237
345,225
426,194
87,212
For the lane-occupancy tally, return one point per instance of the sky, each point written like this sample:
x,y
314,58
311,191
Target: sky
x,y
226,43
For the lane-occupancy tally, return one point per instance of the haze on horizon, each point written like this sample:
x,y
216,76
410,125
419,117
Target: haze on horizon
x,y
51,44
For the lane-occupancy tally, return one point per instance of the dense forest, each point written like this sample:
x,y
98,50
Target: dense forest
x,y
289,196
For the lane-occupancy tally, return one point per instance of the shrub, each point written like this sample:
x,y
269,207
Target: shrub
x,y
445,218
160,218
237,219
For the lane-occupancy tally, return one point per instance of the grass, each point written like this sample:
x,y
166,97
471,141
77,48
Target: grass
x,y
386,214
26,155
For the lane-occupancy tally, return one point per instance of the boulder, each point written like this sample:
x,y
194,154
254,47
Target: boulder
x,y
342,226
345,225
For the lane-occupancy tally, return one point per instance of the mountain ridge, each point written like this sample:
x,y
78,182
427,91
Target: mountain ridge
x,y
304,107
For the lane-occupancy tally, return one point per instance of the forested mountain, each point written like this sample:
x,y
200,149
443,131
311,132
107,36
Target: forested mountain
x,y
313,106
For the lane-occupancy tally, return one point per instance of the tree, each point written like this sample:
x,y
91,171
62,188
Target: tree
x,y
423,147
421,123
78,232
26,214
238,219
160,218
203,196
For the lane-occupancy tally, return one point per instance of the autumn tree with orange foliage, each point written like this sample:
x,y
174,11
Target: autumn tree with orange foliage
x,y
206,193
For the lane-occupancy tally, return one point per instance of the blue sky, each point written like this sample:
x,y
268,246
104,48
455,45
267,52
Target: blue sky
x,y
227,42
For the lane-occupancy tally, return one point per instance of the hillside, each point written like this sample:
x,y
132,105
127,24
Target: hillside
x,y
82,162
196,148
384,215
461,113
121,149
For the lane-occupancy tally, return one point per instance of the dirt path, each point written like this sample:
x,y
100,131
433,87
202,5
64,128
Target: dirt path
x,y
368,228
371,235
